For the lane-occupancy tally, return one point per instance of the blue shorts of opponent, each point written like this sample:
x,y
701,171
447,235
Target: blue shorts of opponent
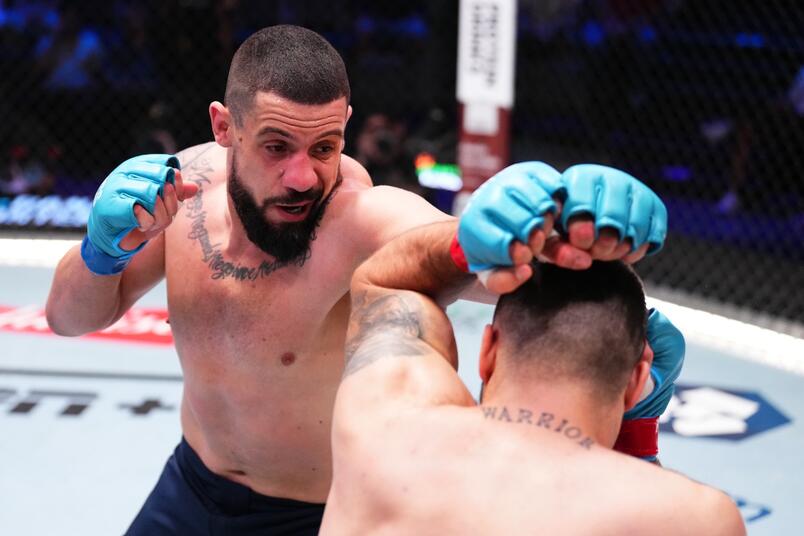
x,y
191,500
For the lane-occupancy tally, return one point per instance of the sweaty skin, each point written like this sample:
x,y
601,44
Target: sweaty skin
x,y
261,357
414,454
260,344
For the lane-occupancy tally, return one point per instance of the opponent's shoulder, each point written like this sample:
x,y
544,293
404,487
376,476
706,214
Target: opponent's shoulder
x,y
721,512
702,509
692,507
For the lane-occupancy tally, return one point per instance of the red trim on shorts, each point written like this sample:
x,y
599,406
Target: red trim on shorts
x,y
639,437
456,252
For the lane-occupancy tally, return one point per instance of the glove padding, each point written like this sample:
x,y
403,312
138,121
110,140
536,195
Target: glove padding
x,y
508,206
615,199
514,202
668,347
639,432
138,180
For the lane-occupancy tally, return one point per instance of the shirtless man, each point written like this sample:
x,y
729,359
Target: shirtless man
x,y
565,356
258,260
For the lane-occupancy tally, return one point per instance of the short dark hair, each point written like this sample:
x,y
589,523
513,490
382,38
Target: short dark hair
x,y
296,63
585,324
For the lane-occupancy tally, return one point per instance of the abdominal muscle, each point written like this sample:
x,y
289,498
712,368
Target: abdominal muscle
x,y
260,417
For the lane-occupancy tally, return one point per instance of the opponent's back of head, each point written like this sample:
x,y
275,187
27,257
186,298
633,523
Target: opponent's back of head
x,y
588,325
296,63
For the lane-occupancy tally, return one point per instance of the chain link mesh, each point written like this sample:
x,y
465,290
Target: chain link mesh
x,y
704,101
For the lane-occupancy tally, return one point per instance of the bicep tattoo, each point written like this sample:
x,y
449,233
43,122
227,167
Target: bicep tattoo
x,y
384,326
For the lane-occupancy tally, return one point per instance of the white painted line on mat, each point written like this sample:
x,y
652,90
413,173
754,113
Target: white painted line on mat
x,y
33,252
741,339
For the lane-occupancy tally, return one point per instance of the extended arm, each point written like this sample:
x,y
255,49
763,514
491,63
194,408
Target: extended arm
x,y
394,311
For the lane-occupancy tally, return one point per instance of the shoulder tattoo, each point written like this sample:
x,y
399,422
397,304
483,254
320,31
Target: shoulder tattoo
x,y
195,165
385,326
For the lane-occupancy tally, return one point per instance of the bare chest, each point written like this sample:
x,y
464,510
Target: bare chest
x,y
229,310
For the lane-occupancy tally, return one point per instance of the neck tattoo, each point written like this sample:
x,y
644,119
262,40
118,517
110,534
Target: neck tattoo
x,y
542,419
198,171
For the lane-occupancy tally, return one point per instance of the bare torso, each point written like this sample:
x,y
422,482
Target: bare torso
x,y
261,348
449,470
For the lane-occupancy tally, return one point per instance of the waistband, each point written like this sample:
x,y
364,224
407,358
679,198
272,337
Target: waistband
x,y
223,496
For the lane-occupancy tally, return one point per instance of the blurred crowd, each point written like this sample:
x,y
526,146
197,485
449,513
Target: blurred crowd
x,y
87,83
701,100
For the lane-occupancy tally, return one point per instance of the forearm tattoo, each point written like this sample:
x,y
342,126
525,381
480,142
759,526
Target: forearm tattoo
x,y
539,419
385,326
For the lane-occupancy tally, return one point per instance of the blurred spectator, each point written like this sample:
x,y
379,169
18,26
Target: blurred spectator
x,y
21,25
762,153
70,57
130,65
33,17
153,134
381,149
28,162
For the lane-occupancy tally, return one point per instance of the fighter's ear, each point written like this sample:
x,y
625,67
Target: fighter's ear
x,y
640,383
488,352
222,124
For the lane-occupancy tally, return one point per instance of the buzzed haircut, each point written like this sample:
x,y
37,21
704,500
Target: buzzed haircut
x,y
296,63
581,324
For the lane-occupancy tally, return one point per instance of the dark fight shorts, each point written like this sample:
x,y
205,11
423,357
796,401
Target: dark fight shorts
x,y
190,500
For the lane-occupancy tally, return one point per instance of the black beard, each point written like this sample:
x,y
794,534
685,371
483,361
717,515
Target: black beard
x,y
288,243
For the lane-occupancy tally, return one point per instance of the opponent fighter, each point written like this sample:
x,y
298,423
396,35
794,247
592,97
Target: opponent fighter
x,y
258,261
565,356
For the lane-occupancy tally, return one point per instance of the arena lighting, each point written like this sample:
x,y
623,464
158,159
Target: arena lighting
x,y
739,339
52,211
431,174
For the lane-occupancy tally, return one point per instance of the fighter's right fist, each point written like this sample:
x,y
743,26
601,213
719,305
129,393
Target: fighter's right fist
x,y
135,202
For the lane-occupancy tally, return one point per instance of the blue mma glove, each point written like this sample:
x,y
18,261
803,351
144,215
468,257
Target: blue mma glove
x,y
639,434
138,180
615,199
507,207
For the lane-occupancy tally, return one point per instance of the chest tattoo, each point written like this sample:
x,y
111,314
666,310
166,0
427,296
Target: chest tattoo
x,y
198,170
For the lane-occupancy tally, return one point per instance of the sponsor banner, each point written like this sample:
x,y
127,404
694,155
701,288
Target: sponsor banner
x,y
486,52
50,212
727,414
137,325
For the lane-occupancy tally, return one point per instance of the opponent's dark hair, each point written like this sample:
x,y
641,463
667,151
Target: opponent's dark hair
x,y
585,324
296,63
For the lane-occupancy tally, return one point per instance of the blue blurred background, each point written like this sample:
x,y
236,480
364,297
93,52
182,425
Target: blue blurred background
x,y
704,101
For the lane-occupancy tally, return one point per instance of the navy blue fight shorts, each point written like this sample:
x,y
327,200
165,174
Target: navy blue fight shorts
x,y
191,500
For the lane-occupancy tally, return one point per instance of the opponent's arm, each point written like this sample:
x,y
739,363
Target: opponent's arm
x,y
122,255
400,345
600,212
